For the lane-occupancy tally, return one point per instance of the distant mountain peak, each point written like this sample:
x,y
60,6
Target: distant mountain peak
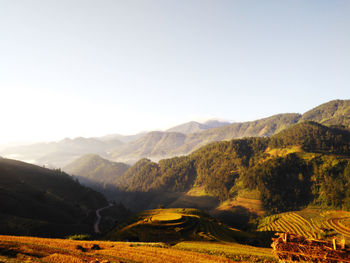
x,y
195,127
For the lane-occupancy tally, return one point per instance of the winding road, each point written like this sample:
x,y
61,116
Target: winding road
x,y
97,223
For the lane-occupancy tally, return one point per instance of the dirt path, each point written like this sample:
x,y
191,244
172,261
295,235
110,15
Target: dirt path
x,y
98,220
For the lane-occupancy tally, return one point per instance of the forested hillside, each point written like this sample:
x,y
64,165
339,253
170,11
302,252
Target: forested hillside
x,y
307,163
42,202
336,112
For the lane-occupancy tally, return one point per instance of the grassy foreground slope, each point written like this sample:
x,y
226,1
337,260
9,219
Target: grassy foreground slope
x,y
29,249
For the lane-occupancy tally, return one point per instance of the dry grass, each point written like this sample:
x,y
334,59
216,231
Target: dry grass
x,y
22,249
236,252
63,258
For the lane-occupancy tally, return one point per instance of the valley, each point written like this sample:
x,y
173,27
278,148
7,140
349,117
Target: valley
x,y
222,201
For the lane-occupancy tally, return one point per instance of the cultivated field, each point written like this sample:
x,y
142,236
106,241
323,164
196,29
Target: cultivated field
x,y
174,225
31,249
311,223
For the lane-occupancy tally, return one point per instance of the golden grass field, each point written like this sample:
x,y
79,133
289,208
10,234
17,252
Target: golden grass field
x,y
31,249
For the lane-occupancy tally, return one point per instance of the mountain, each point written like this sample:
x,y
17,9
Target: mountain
x,y
213,123
43,202
165,145
158,145
307,163
93,170
336,112
121,138
195,127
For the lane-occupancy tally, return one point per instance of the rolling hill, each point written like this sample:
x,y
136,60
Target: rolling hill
x,y
43,202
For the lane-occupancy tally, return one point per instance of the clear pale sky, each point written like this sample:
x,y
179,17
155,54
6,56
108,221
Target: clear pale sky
x,y
89,68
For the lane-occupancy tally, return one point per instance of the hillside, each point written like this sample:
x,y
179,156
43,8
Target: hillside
x,y
42,202
93,170
336,112
305,164
313,137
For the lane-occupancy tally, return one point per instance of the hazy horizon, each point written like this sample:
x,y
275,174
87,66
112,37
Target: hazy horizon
x,y
202,121
92,68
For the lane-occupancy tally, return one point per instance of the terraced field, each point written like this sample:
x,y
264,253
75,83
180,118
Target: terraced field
x,y
173,225
310,223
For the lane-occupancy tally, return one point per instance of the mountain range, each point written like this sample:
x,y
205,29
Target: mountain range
x,y
176,141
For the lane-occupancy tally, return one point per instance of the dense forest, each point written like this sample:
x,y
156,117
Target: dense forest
x,y
305,164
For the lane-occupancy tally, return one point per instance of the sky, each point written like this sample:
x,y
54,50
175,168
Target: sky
x,y
73,68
